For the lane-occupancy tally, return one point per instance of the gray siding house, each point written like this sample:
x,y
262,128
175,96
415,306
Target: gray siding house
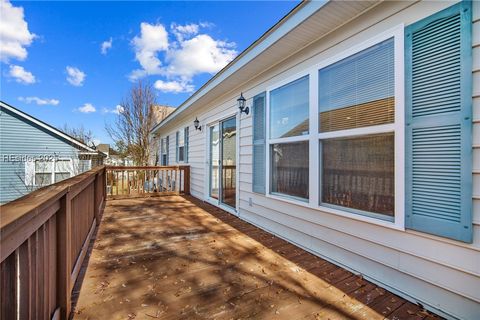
x,y
33,154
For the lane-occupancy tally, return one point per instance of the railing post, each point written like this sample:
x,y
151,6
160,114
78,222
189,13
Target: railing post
x,y
104,183
96,198
64,263
186,183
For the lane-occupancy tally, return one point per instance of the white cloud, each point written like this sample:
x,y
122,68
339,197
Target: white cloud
x,y
21,75
39,101
117,110
188,54
201,54
106,45
182,31
152,40
87,108
14,33
75,76
173,86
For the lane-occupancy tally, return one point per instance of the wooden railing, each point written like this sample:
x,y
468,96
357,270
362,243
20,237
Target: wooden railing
x,y
129,182
44,239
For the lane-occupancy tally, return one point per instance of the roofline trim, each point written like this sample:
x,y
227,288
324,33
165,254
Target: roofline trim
x,y
46,126
298,14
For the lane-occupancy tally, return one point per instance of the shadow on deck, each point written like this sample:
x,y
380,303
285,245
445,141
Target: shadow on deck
x,y
176,257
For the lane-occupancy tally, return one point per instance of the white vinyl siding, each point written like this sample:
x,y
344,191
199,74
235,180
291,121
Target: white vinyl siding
x,y
440,273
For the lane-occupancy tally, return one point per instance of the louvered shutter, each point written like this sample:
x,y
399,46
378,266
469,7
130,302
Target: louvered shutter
x,y
167,146
259,143
186,137
439,125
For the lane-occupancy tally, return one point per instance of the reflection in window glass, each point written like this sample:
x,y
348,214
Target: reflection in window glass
x,y
43,179
62,170
43,166
181,151
358,91
61,176
229,161
359,173
215,161
43,173
289,110
289,169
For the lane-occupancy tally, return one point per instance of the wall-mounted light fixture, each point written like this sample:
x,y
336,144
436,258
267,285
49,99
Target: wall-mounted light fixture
x,y
241,104
197,125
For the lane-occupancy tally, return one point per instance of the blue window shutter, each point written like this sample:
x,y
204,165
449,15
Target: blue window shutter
x,y
168,150
259,143
185,149
438,61
176,146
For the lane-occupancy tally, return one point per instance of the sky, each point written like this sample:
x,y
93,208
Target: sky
x,y
73,62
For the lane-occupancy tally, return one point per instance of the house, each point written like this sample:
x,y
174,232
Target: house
x,y
34,154
359,145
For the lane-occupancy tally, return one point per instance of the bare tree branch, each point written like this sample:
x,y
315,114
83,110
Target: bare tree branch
x,y
80,133
131,129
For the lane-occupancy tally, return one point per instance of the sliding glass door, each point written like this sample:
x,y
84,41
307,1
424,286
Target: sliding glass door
x,y
223,162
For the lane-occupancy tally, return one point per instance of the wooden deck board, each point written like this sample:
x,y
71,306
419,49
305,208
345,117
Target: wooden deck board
x,y
178,258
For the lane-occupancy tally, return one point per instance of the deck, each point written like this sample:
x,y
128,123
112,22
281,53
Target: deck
x,y
174,257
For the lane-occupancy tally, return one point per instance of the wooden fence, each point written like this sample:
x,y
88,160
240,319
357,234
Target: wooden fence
x,y
44,239
129,182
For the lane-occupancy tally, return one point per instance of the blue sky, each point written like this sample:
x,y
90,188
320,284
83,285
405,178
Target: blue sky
x,y
72,62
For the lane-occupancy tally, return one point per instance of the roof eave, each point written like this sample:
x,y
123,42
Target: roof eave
x,y
298,14
46,126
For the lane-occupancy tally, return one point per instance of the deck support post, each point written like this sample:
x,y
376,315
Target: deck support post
x,y
64,248
187,180
96,198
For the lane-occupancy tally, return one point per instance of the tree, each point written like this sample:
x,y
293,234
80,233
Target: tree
x,y
80,133
135,120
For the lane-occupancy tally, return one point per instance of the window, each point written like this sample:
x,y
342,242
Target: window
x,y
290,169
358,173
48,172
62,170
358,91
289,110
180,146
357,166
289,119
181,153
341,150
164,151
43,172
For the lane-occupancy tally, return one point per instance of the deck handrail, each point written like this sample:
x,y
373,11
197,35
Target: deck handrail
x,y
44,237
142,181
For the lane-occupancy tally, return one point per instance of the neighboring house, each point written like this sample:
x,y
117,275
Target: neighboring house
x,y
360,146
160,112
34,154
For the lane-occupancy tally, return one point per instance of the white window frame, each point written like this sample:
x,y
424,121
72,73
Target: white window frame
x,y
314,137
163,151
181,134
54,165
206,130
300,138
